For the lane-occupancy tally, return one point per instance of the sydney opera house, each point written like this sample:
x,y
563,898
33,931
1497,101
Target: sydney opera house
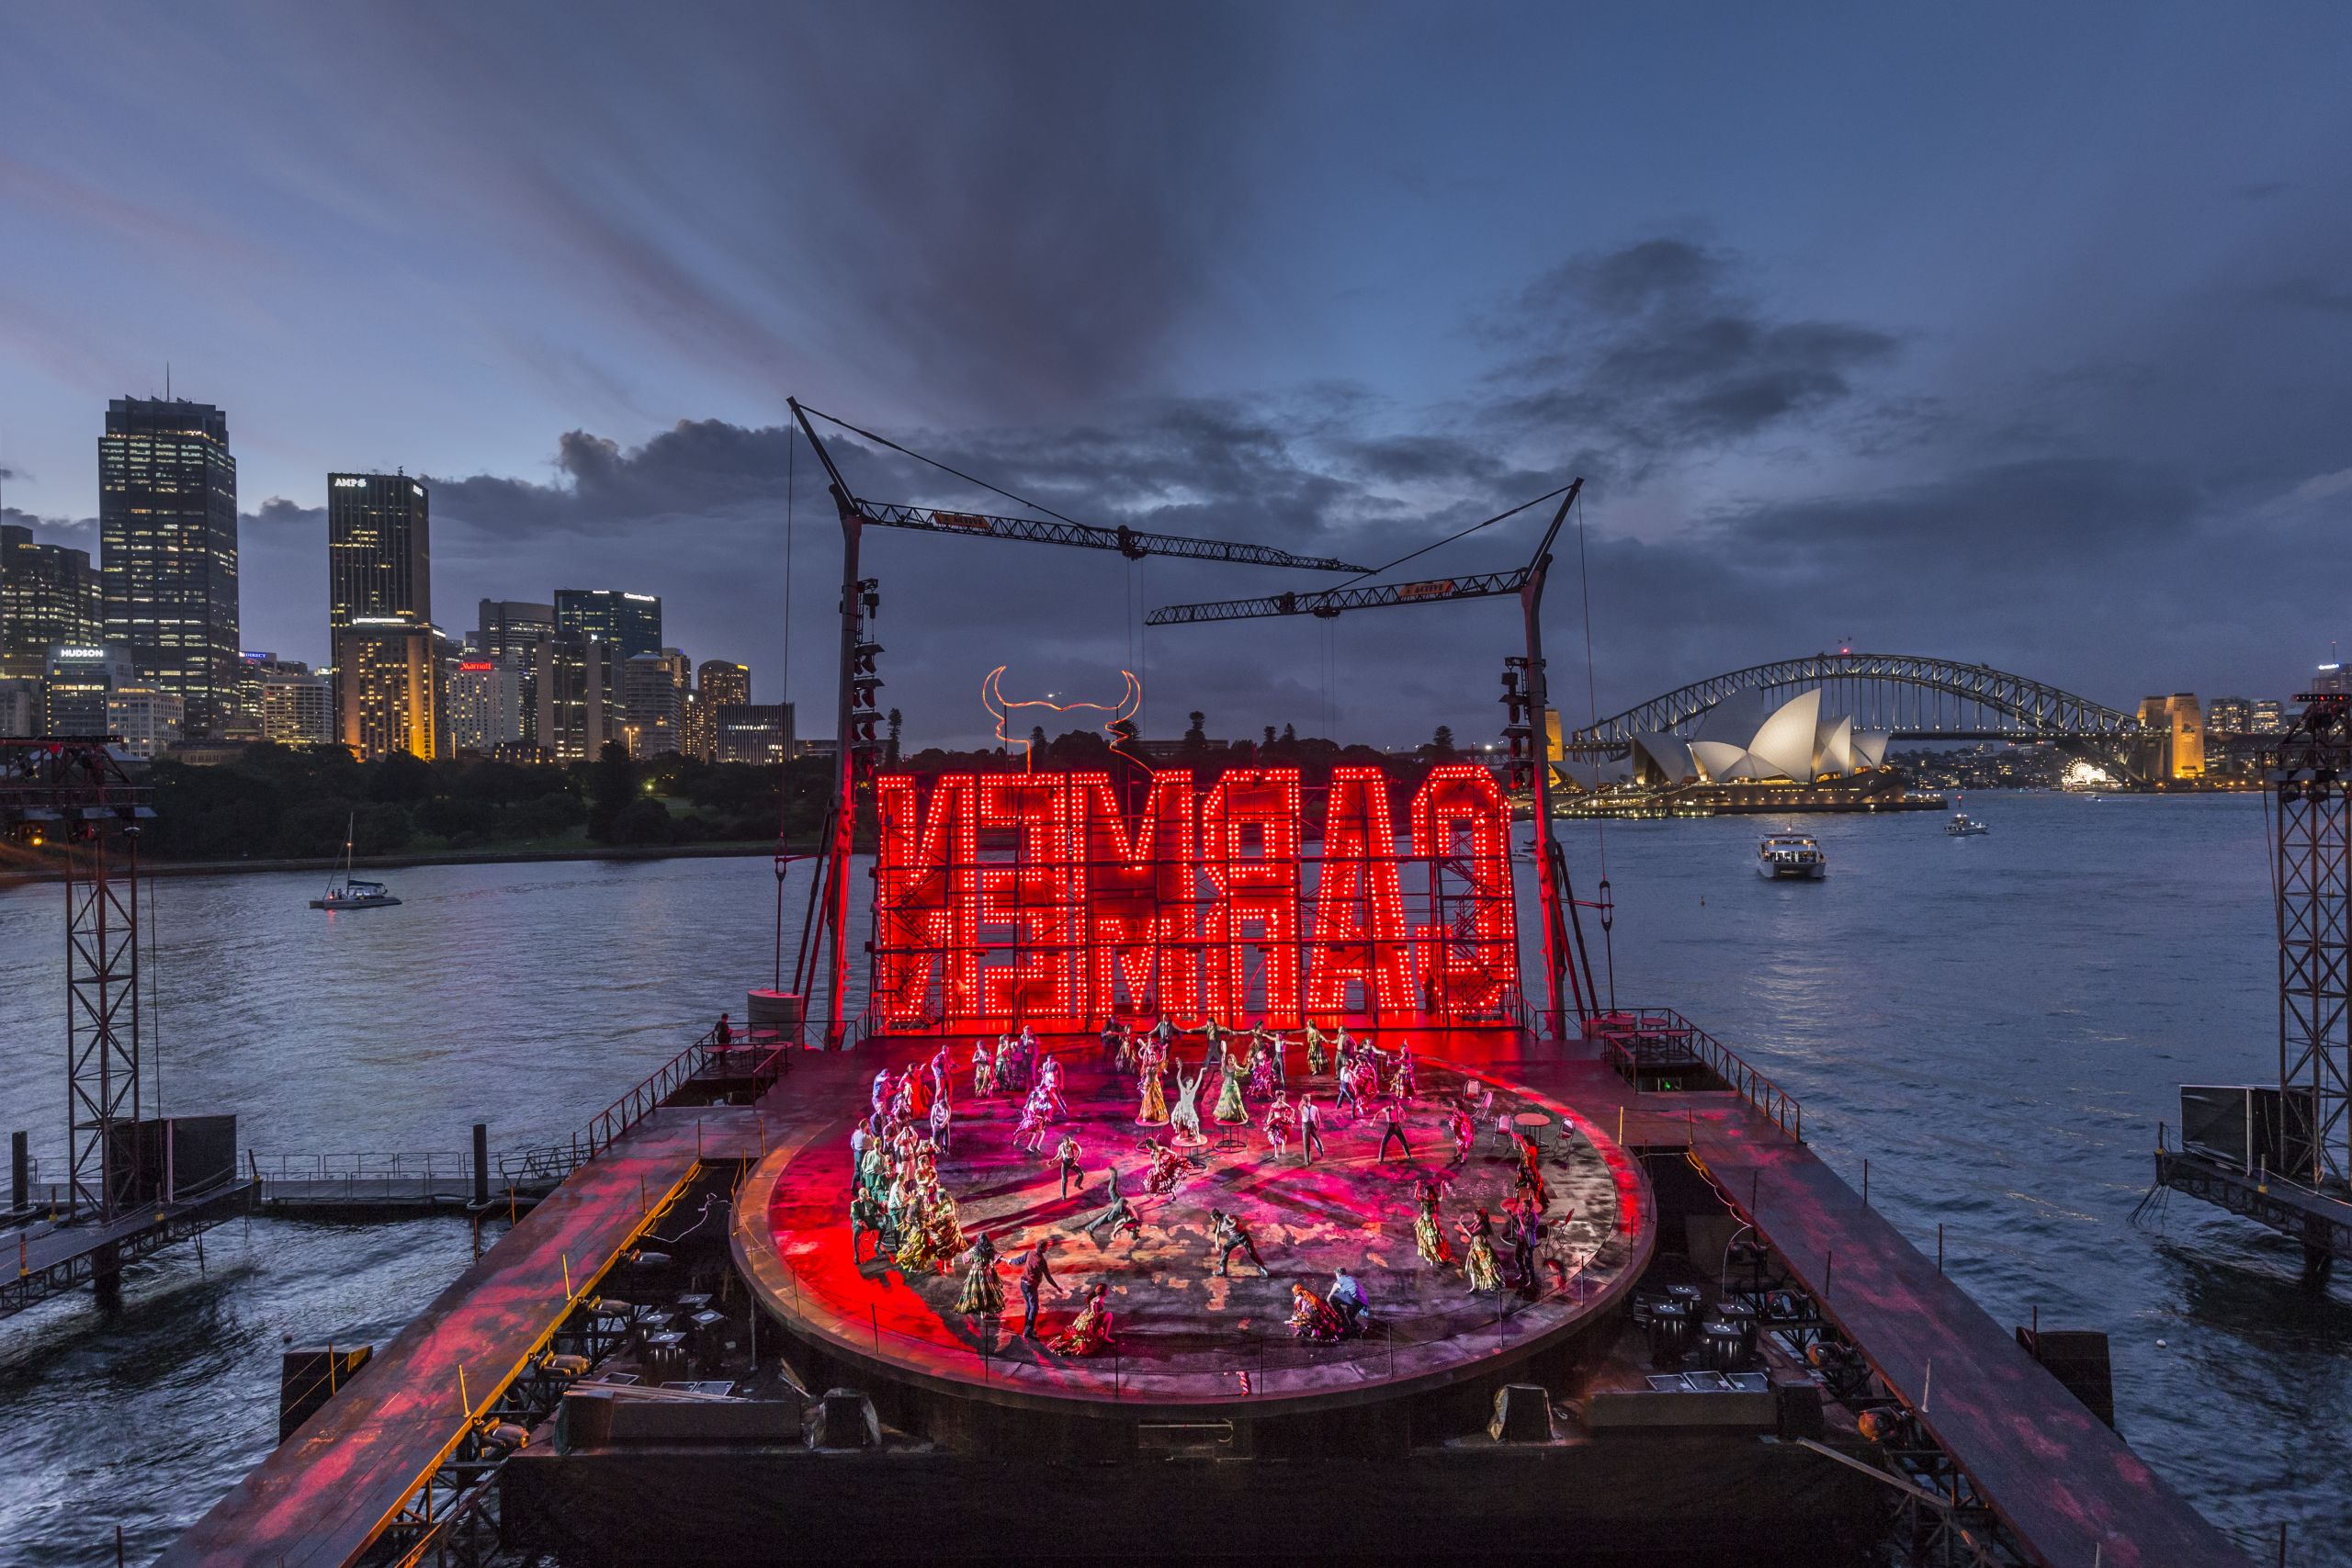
x,y
1794,744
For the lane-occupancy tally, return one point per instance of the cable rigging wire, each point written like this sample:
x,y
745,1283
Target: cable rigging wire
x,y
1593,703
942,467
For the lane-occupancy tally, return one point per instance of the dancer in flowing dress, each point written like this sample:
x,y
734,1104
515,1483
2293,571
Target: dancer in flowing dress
x,y
983,1292
1312,1318
1282,1124
1316,1060
1478,1265
983,1070
1428,1234
1167,1168
1231,1108
1153,1113
1090,1331
1185,1118
1261,1071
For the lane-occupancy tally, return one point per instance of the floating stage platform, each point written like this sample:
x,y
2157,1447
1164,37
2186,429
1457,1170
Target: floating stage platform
x,y
765,1393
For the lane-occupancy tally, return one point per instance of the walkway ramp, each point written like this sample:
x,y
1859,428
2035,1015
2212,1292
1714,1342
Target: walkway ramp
x,y
331,1489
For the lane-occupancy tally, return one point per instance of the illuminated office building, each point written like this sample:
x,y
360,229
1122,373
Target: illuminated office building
x,y
167,535
378,553
79,679
653,696
630,622
389,688
49,594
486,705
719,682
293,704
148,720
759,733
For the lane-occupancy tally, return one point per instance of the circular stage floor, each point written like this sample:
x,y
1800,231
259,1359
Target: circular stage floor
x,y
1187,1338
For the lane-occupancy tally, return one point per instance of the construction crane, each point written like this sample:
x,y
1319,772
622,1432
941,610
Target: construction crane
x,y
1563,928
826,930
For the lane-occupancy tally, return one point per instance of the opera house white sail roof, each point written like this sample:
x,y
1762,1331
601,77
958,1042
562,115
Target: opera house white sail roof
x,y
1794,743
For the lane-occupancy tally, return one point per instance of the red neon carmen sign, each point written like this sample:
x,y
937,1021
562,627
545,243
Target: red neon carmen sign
x,y
1059,898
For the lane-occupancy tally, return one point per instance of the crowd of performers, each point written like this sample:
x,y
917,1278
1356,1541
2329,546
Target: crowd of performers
x,y
899,1204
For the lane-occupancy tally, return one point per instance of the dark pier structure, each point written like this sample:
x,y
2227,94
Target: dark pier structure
x,y
688,1354
2283,1155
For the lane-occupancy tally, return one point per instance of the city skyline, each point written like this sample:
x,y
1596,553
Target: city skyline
x,y
1998,381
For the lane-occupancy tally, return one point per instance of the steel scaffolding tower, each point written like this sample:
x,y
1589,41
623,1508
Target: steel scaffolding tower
x,y
2313,785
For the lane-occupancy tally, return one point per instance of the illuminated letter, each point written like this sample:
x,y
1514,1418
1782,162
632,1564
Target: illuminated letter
x,y
1140,907
1469,952
914,902
1249,854
1032,892
1359,910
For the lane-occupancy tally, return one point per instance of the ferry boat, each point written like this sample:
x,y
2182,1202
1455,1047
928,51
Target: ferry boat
x,y
350,894
1785,856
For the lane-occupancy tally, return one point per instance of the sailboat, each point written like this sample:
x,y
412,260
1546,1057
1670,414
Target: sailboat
x,y
349,893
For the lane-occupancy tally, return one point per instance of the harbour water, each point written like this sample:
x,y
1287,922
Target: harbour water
x,y
1995,1023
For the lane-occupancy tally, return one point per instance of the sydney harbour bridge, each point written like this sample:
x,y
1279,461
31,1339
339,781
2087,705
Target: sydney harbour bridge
x,y
1910,696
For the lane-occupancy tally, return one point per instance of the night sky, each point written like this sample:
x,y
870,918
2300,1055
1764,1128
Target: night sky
x,y
2019,335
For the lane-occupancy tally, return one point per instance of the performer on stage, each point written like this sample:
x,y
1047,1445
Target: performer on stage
x,y
1392,1130
1261,1068
1228,1236
1185,1118
1346,1077
1282,1121
942,1117
1347,1298
1312,1318
1523,1227
1153,1113
1031,1134
1115,1044
1315,1058
1035,1278
1311,1129
1231,1108
1167,1168
1478,1265
1089,1332
866,1217
1465,1133
1066,1152
1529,1182
1429,1236
1403,1084
1049,1084
882,1091
1116,1216
983,1292
983,1070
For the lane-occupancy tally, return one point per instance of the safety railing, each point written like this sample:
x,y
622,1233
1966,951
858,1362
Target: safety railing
x,y
757,1063
428,1164
1641,1039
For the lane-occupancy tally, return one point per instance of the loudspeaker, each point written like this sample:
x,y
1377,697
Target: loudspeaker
x,y
1522,1415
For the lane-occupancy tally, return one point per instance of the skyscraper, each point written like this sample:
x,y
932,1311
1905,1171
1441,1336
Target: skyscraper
x,y
379,549
167,538
48,594
653,696
511,626
719,682
630,622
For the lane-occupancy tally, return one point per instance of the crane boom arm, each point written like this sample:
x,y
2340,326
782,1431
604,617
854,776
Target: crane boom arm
x,y
1129,542
1373,596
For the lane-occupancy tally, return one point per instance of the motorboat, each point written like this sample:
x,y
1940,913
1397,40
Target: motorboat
x,y
348,893
1963,825
1785,855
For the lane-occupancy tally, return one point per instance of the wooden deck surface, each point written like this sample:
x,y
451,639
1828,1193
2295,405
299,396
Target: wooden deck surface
x,y
327,1491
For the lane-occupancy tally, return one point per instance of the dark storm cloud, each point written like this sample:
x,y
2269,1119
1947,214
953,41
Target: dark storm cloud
x,y
2309,292
1662,348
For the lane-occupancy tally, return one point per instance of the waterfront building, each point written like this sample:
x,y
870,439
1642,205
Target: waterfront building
x,y
147,719
2269,717
79,679
167,535
1794,744
753,732
49,594
631,622
389,688
653,696
719,682
2331,678
486,705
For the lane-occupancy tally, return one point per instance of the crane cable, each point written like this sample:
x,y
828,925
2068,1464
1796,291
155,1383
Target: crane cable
x,y
1593,703
942,467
